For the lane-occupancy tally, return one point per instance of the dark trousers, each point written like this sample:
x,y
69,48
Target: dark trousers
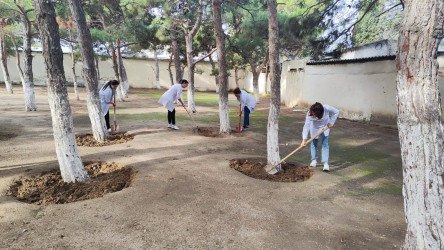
x,y
172,117
246,117
107,120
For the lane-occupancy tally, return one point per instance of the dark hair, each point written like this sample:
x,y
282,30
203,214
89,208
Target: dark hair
x,y
112,82
317,110
182,81
236,91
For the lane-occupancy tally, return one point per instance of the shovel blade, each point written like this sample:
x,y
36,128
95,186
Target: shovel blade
x,y
114,128
271,169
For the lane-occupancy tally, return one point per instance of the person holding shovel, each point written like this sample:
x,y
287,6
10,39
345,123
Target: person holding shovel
x,y
248,103
318,117
106,94
169,97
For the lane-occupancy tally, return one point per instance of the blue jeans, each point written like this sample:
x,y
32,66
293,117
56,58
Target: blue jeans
x,y
325,149
246,117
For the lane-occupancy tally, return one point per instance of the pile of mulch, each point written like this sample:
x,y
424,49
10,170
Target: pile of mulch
x,y
48,188
114,138
214,132
255,169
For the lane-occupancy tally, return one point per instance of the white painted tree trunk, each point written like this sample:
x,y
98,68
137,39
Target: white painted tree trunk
x,y
90,76
157,69
273,157
190,94
28,84
124,85
19,68
71,166
4,61
73,68
224,117
116,74
419,123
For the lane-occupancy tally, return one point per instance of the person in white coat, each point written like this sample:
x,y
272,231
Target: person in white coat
x,y
248,103
169,97
106,94
318,117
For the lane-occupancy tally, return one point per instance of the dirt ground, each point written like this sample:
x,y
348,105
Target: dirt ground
x,y
185,194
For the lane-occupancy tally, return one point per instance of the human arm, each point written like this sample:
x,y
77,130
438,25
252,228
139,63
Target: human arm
x,y
306,129
334,113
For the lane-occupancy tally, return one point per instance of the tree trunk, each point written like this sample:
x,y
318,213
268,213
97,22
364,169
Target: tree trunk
x,y
213,67
255,82
266,79
124,85
96,59
170,71
236,78
19,68
28,84
4,60
96,117
157,69
419,123
73,68
176,55
222,62
71,166
116,73
273,157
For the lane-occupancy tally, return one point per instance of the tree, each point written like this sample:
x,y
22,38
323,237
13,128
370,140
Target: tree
x,y
4,56
89,73
273,157
71,166
419,123
24,9
223,68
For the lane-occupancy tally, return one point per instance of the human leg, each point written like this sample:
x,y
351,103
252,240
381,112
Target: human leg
x,y
246,117
108,126
325,148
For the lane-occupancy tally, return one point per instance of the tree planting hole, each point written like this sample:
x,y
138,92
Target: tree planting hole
x,y
88,140
255,168
48,188
214,132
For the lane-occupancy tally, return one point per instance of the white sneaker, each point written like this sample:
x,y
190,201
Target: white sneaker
x,y
313,163
175,127
326,167
109,130
169,125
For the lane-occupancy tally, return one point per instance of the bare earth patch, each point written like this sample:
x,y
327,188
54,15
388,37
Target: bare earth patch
x,y
88,140
214,132
6,136
255,169
48,188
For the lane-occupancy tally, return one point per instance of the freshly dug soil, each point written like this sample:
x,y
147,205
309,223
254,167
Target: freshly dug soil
x,y
255,169
114,138
214,132
48,188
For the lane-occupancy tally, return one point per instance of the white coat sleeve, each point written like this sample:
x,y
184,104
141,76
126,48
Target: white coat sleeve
x,y
333,112
306,127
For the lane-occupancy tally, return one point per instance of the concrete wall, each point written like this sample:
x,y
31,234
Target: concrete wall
x,y
140,72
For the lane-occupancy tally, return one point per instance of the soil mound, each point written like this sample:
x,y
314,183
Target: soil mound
x,y
88,140
48,188
255,169
214,132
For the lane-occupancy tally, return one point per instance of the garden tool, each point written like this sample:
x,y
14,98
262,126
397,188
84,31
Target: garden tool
x,y
240,115
272,169
114,127
195,127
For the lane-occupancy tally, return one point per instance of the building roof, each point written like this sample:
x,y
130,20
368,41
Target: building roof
x,y
356,60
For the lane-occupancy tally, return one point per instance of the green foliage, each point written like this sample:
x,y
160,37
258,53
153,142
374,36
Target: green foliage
x,y
377,25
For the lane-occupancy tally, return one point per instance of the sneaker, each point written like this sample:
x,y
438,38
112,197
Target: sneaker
x,y
169,125
326,167
109,130
175,127
313,163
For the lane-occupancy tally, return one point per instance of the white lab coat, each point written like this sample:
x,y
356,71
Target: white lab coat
x,y
314,125
170,96
106,96
246,100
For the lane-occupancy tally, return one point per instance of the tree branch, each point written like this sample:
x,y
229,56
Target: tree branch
x,y
200,59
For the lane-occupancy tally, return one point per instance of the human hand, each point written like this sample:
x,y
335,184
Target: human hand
x,y
329,125
303,143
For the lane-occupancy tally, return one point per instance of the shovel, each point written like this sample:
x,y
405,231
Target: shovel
x,y
192,118
240,115
114,127
272,169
